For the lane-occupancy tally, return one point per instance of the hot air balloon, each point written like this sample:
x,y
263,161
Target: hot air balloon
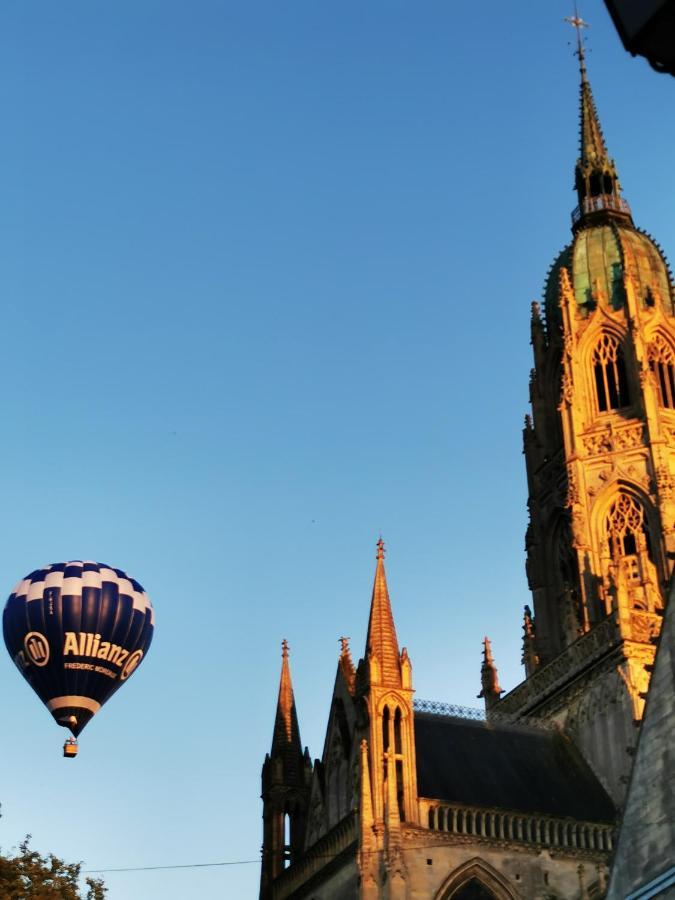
x,y
76,631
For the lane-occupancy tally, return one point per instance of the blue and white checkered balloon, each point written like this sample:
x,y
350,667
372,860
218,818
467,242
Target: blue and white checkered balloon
x,y
77,631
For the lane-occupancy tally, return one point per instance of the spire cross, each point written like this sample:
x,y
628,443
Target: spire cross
x,y
344,644
578,23
380,548
284,648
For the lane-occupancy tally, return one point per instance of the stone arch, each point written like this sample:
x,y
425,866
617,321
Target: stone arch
x,y
629,546
599,326
601,509
661,363
660,336
483,874
609,373
393,700
612,386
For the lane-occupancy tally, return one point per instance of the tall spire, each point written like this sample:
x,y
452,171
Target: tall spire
x,y
381,642
286,739
592,147
595,176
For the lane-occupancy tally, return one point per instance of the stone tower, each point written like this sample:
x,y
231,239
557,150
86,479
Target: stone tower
x,y
286,779
388,775
600,457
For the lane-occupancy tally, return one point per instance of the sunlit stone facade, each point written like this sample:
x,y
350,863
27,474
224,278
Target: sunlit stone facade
x,y
425,803
600,455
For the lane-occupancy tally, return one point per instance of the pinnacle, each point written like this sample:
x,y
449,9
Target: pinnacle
x,y
491,689
346,663
382,642
286,730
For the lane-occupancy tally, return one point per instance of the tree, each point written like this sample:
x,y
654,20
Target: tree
x,y
26,875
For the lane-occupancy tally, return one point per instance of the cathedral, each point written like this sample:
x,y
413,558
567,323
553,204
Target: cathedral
x,y
418,801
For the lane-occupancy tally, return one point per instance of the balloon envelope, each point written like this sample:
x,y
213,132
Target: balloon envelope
x,y
77,631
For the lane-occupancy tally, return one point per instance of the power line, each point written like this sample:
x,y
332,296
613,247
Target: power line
x,y
425,845
235,862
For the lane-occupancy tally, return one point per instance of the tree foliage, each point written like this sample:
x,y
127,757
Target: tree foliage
x,y
27,875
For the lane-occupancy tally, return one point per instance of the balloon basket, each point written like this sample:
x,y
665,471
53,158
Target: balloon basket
x,y
70,748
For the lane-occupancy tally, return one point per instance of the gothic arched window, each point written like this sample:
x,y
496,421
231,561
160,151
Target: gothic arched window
x,y
609,368
287,840
662,363
627,531
473,890
392,747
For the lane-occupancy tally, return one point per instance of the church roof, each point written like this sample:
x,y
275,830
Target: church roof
x,y
515,767
606,247
597,262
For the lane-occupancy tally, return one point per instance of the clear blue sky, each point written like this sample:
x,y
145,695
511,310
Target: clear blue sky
x,y
266,274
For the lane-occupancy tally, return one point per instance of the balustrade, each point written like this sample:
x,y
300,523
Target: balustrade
x,y
496,825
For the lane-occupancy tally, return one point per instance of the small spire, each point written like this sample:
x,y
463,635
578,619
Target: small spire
x,y
382,642
346,664
286,738
491,691
487,651
596,178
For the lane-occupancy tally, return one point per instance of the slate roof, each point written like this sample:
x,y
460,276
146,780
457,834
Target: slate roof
x,y
515,767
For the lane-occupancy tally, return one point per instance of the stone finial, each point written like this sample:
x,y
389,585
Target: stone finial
x,y
491,691
536,313
346,664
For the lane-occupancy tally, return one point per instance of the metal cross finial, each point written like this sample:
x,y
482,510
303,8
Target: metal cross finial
x,y
577,23
380,548
284,648
344,644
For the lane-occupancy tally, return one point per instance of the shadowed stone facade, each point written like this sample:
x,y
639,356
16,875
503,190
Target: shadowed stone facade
x,y
645,855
